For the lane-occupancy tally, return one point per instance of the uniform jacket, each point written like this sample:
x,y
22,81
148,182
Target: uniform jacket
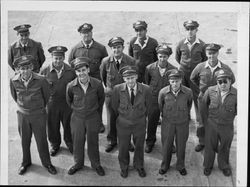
x,y
110,75
189,59
85,105
202,76
155,80
127,113
175,110
217,112
96,53
33,48
33,99
58,86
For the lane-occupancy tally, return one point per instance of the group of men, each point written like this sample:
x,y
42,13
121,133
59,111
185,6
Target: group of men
x,y
138,89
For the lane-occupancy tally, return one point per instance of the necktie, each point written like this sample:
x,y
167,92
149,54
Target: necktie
x,y
142,42
132,96
24,48
117,64
87,46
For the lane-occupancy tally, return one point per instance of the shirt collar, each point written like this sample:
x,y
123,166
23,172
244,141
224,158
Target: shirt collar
x,y
137,41
53,68
217,65
168,89
231,91
196,41
120,60
135,88
90,44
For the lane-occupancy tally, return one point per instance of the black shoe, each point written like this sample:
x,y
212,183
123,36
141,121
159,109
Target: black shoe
x,y
227,172
73,169
131,147
53,151
148,148
124,173
199,148
102,128
173,149
100,171
183,171
141,172
51,169
207,171
162,171
22,169
110,147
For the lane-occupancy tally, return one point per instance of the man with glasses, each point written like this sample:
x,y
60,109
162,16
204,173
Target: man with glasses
x,y
26,46
142,48
203,76
218,110
190,52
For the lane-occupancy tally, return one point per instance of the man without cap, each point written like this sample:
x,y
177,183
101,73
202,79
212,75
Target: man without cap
x,y
175,102
58,74
90,48
131,101
111,76
156,78
31,93
203,76
26,46
85,95
219,108
142,48
190,51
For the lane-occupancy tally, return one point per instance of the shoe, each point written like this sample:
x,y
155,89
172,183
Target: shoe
x,y
162,171
148,149
51,169
54,151
227,172
199,148
141,172
173,149
183,171
110,147
22,169
124,173
73,169
207,171
100,171
131,147
102,128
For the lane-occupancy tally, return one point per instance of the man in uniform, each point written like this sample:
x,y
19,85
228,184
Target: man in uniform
x,y
190,51
111,76
26,46
156,78
85,95
131,102
219,108
90,48
175,102
31,93
58,74
203,76
142,48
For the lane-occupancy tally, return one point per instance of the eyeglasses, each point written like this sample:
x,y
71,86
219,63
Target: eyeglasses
x,y
222,81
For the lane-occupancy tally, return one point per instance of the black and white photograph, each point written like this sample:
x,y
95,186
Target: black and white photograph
x,y
108,93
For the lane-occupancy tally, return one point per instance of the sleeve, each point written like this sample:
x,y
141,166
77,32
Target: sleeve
x,y
190,100
204,107
233,77
103,73
203,54
13,91
115,100
130,49
148,99
69,95
45,91
10,57
161,100
155,53
71,57
147,76
101,98
41,56
105,53
178,53
194,77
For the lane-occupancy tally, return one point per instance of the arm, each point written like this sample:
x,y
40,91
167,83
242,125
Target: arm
x,y
204,107
105,53
147,76
69,95
203,54
103,73
148,100
10,57
195,76
130,49
45,91
155,53
178,53
13,91
161,100
41,57
115,100
71,57
190,101
101,98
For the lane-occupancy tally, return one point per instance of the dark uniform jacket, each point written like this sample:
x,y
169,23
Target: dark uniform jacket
x,y
189,59
58,86
96,53
33,99
155,80
217,112
33,48
109,72
175,110
85,105
202,76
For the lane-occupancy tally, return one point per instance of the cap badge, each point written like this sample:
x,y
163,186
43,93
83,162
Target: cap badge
x,y
22,27
59,48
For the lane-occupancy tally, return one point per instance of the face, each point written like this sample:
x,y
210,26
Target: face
x,y
141,33
87,37
117,50
83,74
212,57
162,59
130,80
224,84
191,32
23,37
175,84
57,61
25,71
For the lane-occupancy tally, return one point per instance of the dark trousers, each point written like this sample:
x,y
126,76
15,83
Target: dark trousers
x,y
124,132
59,113
168,132
28,124
81,128
218,138
153,119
